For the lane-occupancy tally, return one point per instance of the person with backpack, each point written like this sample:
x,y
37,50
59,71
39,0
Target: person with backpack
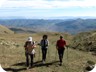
x,y
60,45
44,46
29,51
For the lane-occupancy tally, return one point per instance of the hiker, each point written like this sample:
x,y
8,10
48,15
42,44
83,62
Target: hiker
x,y
60,45
44,46
29,51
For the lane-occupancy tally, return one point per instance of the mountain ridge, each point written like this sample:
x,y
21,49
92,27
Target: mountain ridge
x,y
57,25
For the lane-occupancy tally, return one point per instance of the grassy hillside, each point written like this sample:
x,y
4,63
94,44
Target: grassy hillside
x,y
12,56
85,41
5,30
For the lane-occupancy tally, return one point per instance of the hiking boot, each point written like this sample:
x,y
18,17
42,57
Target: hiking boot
x,y
60,64
27,68
43,62
31,66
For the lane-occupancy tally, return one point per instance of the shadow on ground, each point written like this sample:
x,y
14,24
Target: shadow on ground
x,y
14,70
39,64
36,64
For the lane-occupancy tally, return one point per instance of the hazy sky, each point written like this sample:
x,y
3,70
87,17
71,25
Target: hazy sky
x,y
47,8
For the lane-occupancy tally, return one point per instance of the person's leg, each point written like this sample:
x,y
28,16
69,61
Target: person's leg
x,y
45,52
63,49
59,54
42,54
31,56
27,59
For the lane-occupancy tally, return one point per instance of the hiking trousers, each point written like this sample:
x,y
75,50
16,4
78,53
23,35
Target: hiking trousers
x,y
27,59
44,52
60,53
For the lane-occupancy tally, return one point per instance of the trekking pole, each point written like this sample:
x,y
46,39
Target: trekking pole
x,y
39,53
55,54
67,59
54,69
67,53
48,54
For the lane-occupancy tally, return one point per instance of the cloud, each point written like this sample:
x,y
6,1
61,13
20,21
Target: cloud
x,y
48,3
2,2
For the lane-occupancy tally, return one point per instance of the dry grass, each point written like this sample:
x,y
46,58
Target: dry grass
x,y
13,59
5,30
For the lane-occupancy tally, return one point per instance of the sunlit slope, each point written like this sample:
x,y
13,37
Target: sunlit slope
x,y
5,30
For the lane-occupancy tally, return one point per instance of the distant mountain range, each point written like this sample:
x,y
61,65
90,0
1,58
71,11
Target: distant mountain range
x,y
55,17
51,25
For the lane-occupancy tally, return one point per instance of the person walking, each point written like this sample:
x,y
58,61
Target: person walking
x,y
60,45
44,46
29,51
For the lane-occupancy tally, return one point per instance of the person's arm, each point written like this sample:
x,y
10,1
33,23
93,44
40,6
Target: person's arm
x,y
40,43
25,45
47,43
65,45
34,44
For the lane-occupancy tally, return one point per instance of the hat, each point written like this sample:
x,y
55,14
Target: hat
x,y
29,39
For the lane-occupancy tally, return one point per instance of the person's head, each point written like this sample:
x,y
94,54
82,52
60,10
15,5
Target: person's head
x,y
45,36
61,37
29,39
